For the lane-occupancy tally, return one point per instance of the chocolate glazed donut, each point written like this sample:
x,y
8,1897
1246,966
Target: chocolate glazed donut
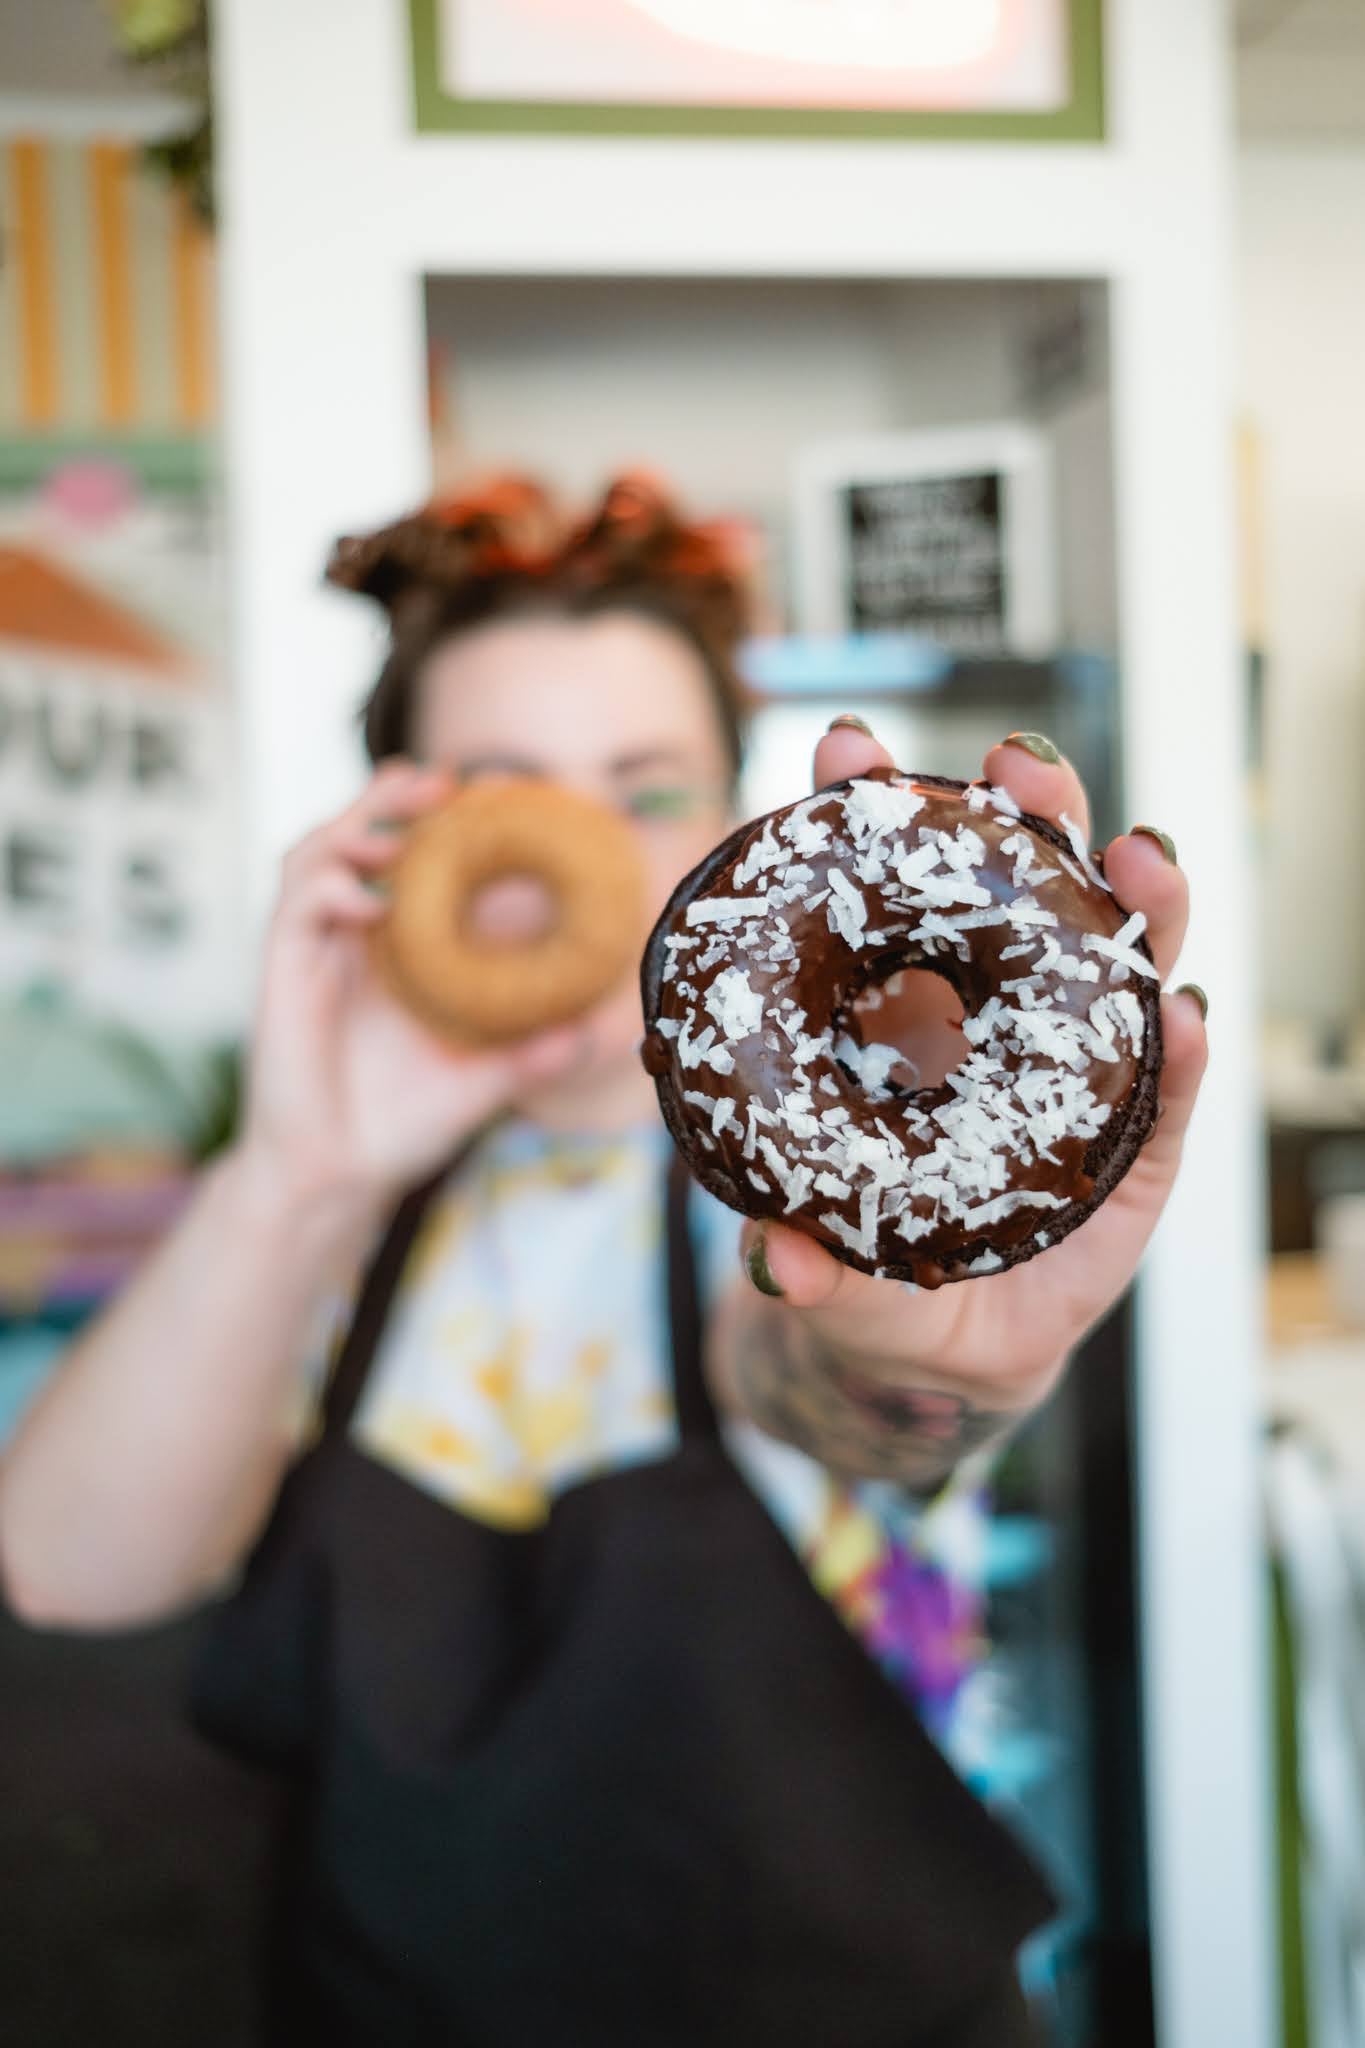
x,y
748,982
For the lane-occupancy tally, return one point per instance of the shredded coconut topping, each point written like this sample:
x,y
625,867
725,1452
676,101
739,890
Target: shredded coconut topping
x,y
725,909
956,881
736,1006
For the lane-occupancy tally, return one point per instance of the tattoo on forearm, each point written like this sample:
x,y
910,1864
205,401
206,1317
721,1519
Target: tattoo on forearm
x,y
796,1390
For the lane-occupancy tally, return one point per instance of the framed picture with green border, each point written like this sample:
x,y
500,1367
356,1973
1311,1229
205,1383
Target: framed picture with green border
x,y
877,70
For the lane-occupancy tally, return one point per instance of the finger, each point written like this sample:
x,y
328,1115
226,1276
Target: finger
x,y
1050,789
548,1055
331,897
1142,878
506,1070
1187,1053
848,748
785,1262
369,850
878,1319
398,792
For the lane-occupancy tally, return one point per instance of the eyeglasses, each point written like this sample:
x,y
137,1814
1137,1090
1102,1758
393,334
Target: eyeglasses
x,y
646,803
670,803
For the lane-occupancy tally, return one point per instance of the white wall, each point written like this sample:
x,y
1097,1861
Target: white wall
x,y
1302,278
1081,435
950,342
708,381
718,382
712,382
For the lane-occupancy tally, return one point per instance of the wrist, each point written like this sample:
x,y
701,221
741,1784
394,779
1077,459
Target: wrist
x,y
274,1192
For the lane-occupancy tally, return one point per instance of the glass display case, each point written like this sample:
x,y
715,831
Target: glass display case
x,y
1064,1762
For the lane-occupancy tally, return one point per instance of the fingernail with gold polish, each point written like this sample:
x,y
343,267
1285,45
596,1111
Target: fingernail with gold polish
x,y
1192,988
1035,743
756,1266
851,721
1163,840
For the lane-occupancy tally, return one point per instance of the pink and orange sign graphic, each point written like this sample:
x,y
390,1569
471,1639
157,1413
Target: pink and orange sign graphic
x,y
908,55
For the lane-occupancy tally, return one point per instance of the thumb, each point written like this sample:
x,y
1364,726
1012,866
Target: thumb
x,y
548,1055
786,1262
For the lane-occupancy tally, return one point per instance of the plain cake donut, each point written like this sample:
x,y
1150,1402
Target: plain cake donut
x,y
477,990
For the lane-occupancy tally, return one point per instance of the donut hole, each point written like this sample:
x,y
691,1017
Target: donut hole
x,y
510,909
911,1011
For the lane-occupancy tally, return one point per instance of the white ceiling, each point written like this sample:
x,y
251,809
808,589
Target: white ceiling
x,y
61,73
1301,70
63,46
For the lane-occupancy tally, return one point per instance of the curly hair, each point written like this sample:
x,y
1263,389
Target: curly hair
x,y
505,551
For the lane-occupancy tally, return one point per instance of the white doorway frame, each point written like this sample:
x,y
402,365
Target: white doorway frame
x,y
334,211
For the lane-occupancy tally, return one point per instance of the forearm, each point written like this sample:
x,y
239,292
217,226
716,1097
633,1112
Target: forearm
x,y
876,1418
150,1459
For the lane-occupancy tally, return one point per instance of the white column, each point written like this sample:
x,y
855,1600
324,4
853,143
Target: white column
x,y
324,383
1207,1698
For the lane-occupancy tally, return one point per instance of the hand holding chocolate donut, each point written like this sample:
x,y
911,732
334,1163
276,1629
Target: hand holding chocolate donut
x,y
749,986
1040,1162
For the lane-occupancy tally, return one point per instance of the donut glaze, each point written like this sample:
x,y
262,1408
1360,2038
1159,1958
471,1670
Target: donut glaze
x,y
748,980
480,991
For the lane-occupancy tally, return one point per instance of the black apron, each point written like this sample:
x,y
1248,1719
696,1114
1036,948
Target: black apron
x,y
623,1780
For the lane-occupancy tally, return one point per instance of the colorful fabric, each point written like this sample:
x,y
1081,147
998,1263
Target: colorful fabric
x,y
526,1353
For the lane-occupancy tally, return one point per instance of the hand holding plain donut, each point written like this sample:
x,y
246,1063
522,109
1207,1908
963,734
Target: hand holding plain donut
x,y
350,1097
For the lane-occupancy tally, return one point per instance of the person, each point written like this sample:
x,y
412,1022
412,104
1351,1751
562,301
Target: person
x,y
593,1603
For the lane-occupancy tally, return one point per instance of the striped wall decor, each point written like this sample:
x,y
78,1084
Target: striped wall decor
x,y
106,295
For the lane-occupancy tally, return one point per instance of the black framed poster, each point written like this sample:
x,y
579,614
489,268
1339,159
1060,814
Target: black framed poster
x,y
946,534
